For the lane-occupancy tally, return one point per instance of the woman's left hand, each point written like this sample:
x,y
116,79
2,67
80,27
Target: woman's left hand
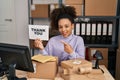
x,y
67,47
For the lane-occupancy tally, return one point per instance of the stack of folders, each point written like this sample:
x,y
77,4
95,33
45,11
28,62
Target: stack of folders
x,y
95,32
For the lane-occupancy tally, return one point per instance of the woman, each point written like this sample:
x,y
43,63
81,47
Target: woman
x,y
66,45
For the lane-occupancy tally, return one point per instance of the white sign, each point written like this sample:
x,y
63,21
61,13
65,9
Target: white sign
x,y
39,31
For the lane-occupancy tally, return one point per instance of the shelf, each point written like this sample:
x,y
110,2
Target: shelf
x,y
113,19
96,18
101,45
100,17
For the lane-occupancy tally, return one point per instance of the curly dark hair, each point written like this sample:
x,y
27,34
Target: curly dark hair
x,y
62,12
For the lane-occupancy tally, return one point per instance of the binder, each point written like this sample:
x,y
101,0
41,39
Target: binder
x,y
94,32
83,31
109,38
93,37
98,37
77,28
88,33
104,33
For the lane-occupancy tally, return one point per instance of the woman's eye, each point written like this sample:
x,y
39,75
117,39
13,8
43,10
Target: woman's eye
x,y
66,26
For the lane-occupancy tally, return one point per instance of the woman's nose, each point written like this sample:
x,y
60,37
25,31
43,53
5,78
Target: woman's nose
x,y
63,29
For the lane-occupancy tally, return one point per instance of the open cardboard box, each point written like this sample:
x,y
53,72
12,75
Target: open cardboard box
x,y
47,70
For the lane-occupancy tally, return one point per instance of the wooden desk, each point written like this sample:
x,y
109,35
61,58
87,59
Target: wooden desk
x,y
107,75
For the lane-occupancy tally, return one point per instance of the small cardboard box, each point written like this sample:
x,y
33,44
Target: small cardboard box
x,y
70,68
46,70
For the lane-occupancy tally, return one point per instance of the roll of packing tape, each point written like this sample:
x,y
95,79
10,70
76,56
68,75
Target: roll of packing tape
x,y
84,70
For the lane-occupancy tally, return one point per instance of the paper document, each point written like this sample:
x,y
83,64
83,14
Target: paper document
x,y
39,31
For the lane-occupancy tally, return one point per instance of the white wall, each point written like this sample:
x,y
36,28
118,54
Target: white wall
x,y
21,13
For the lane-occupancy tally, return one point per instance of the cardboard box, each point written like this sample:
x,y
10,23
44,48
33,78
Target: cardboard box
x,y
40,11
70,68
46,70
104,51
100,7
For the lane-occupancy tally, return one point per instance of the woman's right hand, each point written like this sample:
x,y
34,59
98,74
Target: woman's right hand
x,y
38,44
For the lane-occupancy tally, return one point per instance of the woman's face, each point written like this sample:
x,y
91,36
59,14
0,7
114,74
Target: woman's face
x,y
65,27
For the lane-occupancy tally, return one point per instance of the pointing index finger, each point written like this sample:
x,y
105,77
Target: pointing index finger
x,y
64,43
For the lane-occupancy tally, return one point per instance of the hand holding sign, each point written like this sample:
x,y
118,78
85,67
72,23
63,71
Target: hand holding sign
x,y
67,47
38,44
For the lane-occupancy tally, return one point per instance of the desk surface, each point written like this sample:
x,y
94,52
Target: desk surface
x,y
107,75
